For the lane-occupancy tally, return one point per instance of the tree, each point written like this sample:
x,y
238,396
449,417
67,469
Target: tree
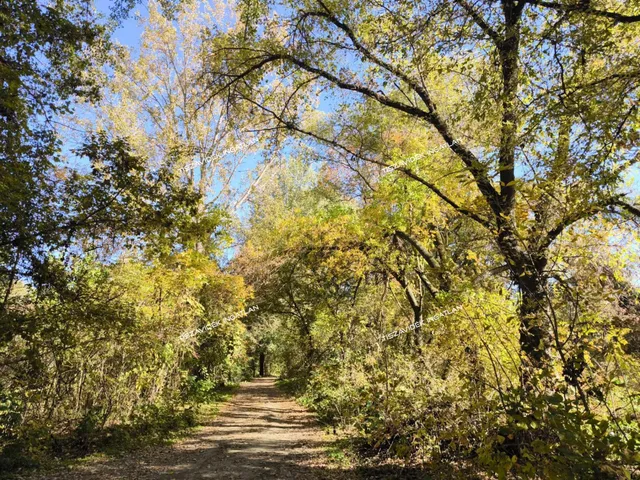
x,y
44,52
155,97
567,125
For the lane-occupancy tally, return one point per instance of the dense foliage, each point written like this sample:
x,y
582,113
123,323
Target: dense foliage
x,y
440,245
107,256
510,130
341,274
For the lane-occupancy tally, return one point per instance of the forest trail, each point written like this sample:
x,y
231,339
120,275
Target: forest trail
x,y
258,434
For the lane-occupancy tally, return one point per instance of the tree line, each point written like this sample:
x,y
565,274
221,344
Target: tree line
x,y
348,169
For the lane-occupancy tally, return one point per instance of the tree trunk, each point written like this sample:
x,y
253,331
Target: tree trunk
x,y
263,365
527,272
534,336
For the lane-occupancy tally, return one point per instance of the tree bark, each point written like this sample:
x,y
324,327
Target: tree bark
x,y
263,370
528,274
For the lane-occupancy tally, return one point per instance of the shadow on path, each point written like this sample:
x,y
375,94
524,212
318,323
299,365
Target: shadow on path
x,y
259,434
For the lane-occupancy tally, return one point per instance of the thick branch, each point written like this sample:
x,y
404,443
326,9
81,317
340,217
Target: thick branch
x,y
585,8
583,214
480,22
477,169
291,126
634,210
415,304
433,263
428,285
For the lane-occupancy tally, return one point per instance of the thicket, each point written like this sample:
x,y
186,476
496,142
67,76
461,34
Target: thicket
x,y
107,256
418,157
337,277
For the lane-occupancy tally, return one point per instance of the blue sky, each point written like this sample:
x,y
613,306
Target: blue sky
x,y
128,33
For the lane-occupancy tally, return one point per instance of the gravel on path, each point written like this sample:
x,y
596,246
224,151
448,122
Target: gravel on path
x,y
258,434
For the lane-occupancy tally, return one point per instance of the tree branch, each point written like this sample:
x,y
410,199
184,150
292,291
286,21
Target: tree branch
x,y
431,116
634,210
586,9
291,126
419,248
480,22
581,215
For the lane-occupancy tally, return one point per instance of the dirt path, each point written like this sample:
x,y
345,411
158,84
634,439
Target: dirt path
x,y
258,434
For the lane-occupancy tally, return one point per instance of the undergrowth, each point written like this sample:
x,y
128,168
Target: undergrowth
x,y
39,448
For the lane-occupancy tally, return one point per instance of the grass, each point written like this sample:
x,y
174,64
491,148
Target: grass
x,y
341,453
150,426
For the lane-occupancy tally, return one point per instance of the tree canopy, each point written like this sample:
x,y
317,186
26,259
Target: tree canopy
x,y
427,210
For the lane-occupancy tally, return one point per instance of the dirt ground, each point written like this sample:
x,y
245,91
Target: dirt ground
x,y
258,434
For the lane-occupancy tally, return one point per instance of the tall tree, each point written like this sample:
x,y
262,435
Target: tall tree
x,y
155,97
558,79
45,50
